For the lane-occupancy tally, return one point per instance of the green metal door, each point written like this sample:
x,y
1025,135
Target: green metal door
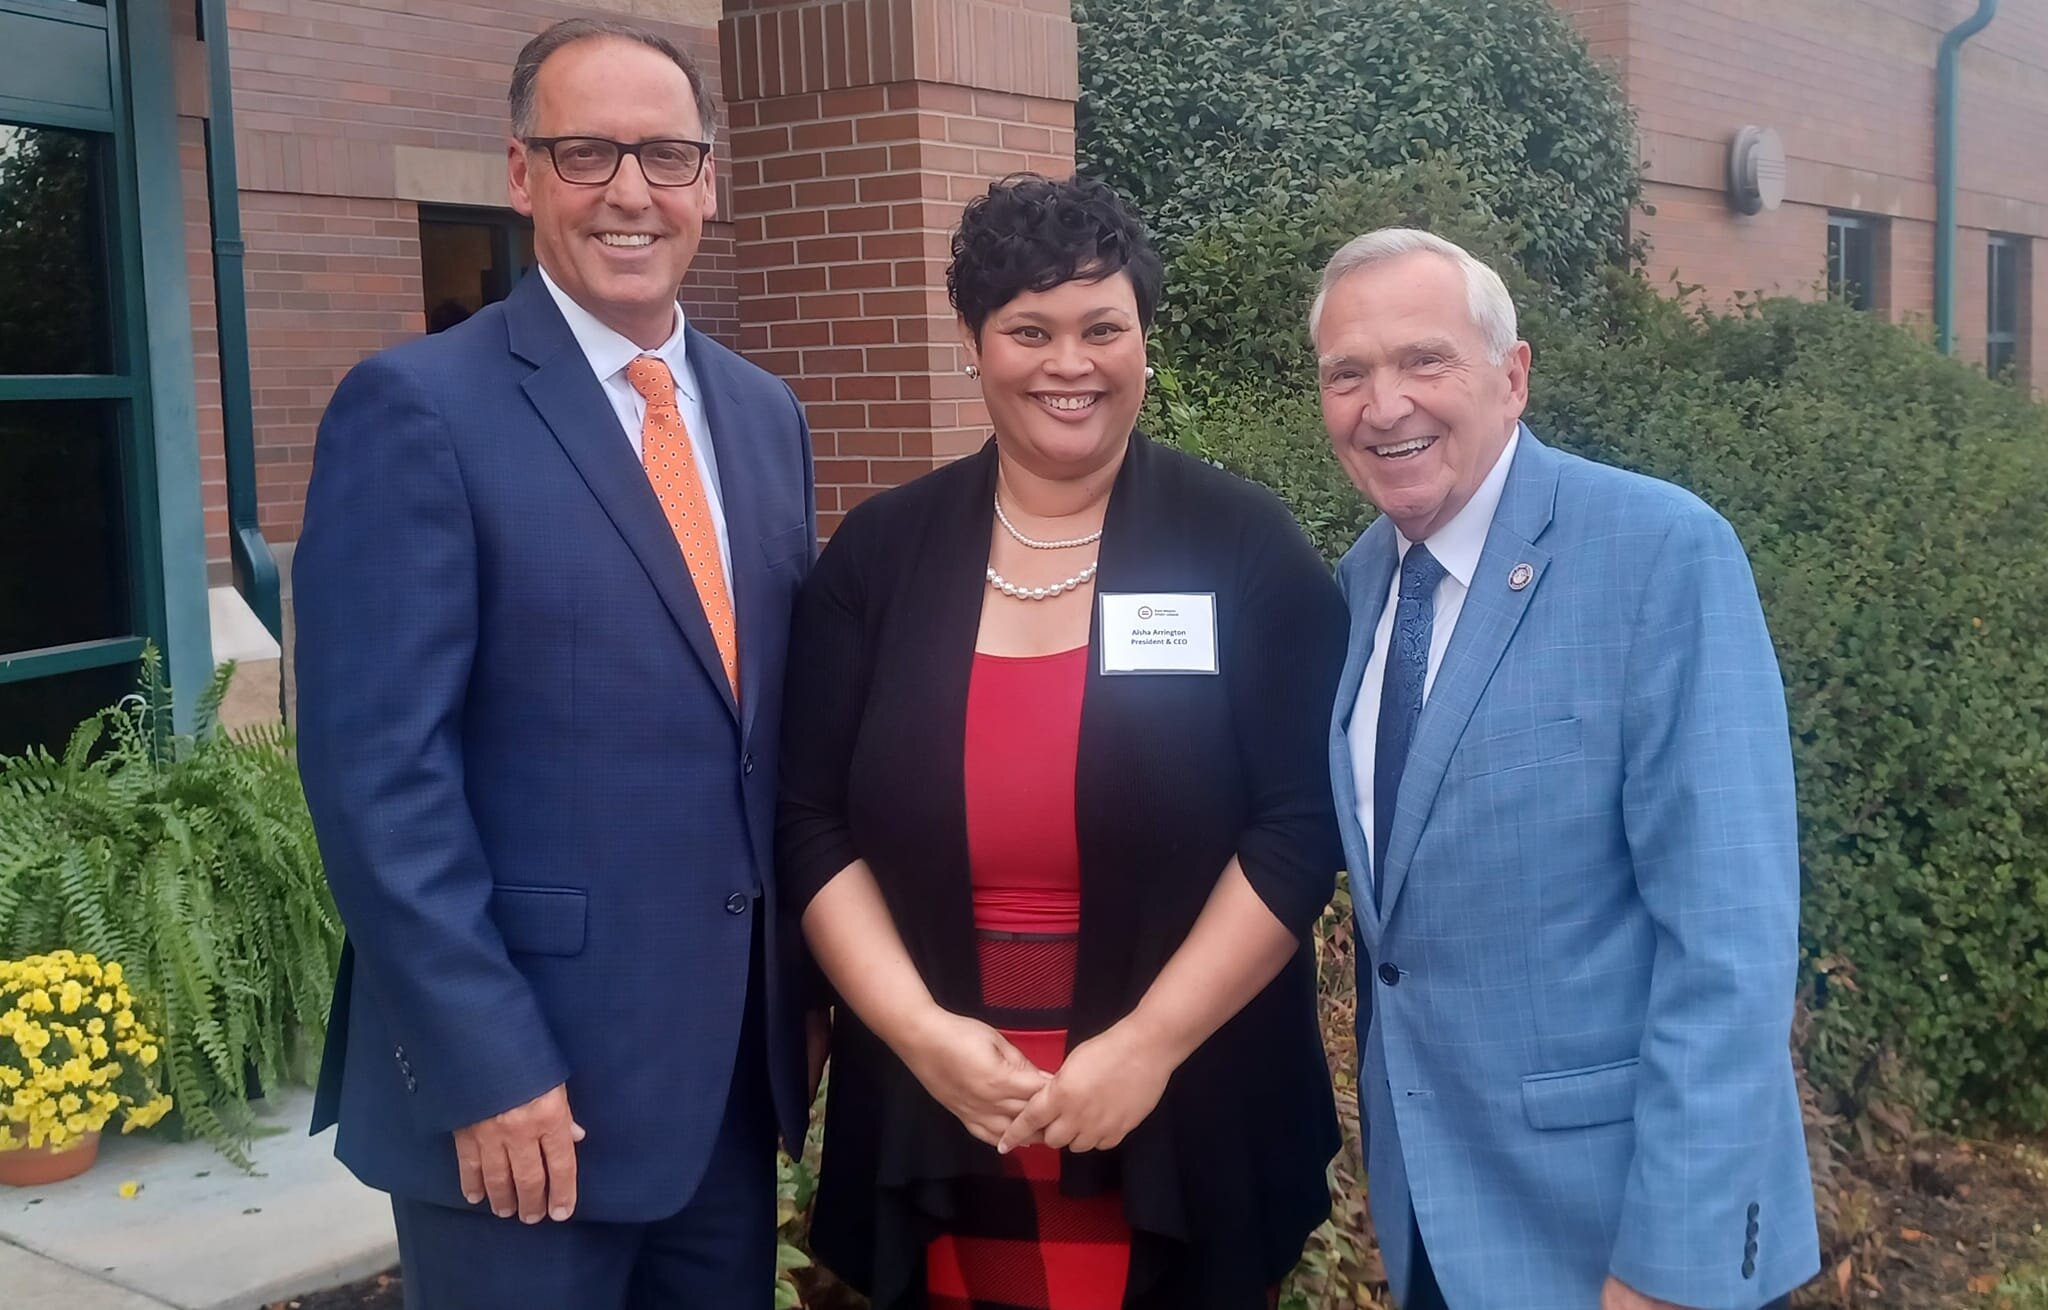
x,y
81,582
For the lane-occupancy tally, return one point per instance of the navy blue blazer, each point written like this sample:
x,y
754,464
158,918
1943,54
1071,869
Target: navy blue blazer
x,y
546,823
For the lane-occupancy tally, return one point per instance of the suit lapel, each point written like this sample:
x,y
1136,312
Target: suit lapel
x,y
573,404
1493,610
740,475
1365,573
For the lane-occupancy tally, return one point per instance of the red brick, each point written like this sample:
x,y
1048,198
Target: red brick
x,y
833,360
826,135
828,250
832,191
872,218
857,162
792,168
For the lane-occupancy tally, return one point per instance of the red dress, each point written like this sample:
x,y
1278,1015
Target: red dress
x,y
1016,1242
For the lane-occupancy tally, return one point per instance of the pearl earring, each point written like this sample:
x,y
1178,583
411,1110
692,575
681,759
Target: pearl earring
x,y
1150,372
972,370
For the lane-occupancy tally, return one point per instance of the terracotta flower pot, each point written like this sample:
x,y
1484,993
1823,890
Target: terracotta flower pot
x,y
32,1167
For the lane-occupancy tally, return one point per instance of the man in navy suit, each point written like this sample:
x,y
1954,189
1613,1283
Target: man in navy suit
x,y
543,598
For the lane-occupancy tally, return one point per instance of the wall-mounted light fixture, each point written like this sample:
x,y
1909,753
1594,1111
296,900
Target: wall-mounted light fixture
x,y
1756,170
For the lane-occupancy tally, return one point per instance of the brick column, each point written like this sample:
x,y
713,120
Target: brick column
x,y
859,128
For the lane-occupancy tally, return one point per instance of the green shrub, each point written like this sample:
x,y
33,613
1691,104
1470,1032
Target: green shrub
x,y
1199,109
1894,504
191,861
1238,289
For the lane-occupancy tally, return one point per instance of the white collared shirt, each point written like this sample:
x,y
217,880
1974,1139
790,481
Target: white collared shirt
x,y
609,353
1457,546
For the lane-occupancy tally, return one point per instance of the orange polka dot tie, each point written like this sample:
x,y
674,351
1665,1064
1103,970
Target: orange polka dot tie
x,y
672,469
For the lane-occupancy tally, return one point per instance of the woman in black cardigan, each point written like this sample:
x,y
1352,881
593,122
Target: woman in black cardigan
x,y
1057,817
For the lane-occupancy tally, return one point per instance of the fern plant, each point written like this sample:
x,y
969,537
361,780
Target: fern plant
x,y
191,858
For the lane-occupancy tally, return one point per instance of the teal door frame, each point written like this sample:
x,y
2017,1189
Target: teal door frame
x,y
109,71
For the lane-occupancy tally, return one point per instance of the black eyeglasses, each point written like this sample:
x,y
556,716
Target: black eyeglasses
x,y
594,160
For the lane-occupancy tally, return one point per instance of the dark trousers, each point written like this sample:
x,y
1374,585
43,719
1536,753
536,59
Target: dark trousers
x,y
1424,1294
716,1253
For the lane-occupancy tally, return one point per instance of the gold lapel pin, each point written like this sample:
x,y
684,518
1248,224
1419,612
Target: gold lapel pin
x,y
1520,577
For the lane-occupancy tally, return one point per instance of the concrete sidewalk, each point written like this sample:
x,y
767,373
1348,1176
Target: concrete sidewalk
x,y
199,1234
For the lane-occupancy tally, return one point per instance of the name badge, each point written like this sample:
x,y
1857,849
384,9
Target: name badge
x,y
1158,632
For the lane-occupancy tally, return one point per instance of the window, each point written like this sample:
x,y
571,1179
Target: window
x,y
1852,260
470,258
81,551
54,313
2003,286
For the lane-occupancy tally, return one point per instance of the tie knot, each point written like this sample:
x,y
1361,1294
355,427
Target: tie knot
x,y
651,378
1420,573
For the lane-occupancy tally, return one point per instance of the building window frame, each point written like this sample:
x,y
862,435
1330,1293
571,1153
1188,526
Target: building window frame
x,y
1852,259
2005,303
100,111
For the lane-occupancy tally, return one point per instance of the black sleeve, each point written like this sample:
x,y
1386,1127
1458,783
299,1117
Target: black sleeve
x,y
826,695
1286,656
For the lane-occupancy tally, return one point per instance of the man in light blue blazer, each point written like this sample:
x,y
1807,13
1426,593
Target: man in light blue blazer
x,y
1565,781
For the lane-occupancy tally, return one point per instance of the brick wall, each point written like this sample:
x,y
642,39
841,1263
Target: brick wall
x,y
213,473
1604,25
860,128
330,279
1850,86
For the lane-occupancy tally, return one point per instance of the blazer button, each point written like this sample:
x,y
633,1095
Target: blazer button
x,y
747,765
1390,975
736,904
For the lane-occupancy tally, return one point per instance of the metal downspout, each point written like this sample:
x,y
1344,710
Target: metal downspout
x,y
1945,172
255,568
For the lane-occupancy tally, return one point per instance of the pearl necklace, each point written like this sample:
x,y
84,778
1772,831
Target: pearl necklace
x,y
1034,542
1015,592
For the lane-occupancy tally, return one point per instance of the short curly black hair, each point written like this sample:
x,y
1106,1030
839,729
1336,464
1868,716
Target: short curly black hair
x,y
1030,233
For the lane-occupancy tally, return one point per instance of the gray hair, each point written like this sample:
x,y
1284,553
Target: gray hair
x,y
1486,296
526,69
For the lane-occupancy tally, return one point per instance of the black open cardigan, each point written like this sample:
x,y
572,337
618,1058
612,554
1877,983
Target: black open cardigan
x,y
1225,1179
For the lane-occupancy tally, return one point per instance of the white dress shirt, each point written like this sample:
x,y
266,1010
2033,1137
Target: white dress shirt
x,y
609,353
1457,546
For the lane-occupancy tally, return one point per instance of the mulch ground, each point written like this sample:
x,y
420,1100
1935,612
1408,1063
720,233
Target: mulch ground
x,y
384,1292
1940,1223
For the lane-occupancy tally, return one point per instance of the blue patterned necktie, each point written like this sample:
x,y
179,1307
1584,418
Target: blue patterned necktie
x,y
1401,697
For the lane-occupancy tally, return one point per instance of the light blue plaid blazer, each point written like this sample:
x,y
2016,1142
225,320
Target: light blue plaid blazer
x,y
1577,994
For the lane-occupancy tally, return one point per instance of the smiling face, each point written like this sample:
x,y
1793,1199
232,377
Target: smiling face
x,y
619,250
1416,411
1063,373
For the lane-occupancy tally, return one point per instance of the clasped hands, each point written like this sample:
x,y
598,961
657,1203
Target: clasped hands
x,y
1104,1089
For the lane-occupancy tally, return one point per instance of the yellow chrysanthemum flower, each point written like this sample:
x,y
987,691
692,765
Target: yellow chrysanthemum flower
x,y
62,1080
